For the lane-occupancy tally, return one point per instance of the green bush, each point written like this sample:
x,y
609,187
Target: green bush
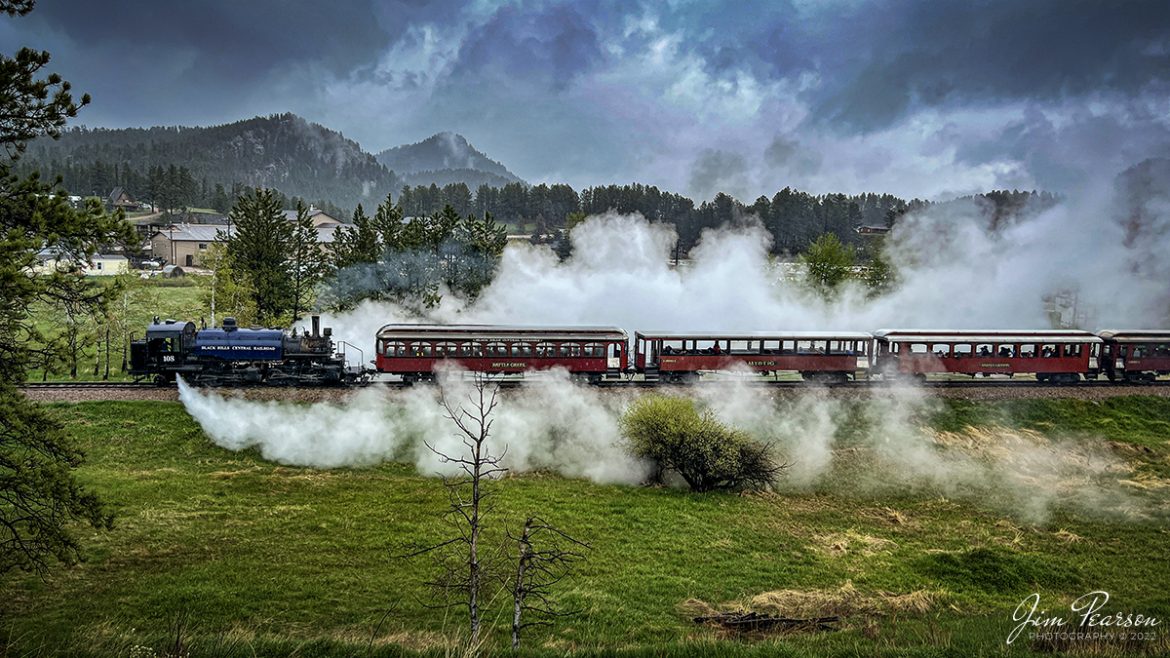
x,y
676,437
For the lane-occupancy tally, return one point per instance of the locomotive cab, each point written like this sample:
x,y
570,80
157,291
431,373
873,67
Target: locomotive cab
x,y
163,350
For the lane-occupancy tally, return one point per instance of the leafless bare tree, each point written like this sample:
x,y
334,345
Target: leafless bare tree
x,y
466,493
539,566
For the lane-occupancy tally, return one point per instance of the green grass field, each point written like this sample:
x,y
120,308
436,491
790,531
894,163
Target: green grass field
x,y
178,299
264,559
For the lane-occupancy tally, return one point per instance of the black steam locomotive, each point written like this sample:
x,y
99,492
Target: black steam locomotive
x,y
231,356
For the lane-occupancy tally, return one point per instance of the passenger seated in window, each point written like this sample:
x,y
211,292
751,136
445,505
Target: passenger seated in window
x,y
668,350
1005,351
1047,352
984,351
715,348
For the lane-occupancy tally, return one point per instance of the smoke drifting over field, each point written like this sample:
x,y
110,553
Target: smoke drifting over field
x,y
558,426
573,430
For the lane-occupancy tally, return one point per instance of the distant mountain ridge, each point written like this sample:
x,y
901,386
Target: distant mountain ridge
x,y
445,158
283,151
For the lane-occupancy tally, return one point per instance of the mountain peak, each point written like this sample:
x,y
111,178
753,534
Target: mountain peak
x,y
444,154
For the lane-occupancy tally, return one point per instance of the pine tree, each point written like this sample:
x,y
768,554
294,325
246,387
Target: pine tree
x,y
258,249
39,496
306,262
828,263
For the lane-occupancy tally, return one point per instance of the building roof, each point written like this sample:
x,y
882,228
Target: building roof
x,y
47,254
117,192
319,217
210,232
194,232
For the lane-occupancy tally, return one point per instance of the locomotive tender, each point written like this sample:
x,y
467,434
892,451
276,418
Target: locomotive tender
x,y
229,355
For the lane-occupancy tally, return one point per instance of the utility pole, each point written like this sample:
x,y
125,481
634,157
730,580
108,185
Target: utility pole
x,y
214,281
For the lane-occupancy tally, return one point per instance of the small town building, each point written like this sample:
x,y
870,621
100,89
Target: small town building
x,y
120,198
187,244
320,218
48,261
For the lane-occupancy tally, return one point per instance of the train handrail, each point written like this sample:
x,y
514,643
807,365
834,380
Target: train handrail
x,y
342,345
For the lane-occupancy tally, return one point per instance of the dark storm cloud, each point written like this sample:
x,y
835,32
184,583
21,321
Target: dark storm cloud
x,y
920,97
235,40
787,154
550,45
951,53
148,63
718,171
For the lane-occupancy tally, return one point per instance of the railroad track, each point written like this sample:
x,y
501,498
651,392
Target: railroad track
x,y
93,385
514,383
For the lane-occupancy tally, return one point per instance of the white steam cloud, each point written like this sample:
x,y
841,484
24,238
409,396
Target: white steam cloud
x,y
557,426
955,272
573,430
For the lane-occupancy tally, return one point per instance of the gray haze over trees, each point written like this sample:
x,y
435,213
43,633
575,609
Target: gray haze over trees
x,y
211,167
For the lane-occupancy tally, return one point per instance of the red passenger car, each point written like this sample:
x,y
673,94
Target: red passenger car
x,y
1135,355
413,350
1056,356
822,356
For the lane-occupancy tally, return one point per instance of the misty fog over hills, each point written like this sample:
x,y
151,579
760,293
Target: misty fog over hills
x,y
446,158
283,151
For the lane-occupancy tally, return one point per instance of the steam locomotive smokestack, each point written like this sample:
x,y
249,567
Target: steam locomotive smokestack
x,y
316,326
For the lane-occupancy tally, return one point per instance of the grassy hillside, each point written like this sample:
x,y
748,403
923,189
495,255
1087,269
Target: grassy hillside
x,y
255,558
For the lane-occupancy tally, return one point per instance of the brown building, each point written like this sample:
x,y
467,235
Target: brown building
x,y
120,198
320,218
187,244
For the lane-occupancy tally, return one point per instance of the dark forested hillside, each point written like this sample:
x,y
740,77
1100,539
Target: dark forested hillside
x,y
446,158
179,167
472,178
284,151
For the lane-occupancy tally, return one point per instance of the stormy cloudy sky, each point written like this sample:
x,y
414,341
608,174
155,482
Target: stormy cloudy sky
x,y
924,99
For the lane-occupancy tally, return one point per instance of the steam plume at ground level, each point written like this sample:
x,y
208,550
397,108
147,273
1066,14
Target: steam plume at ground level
x,y
880,445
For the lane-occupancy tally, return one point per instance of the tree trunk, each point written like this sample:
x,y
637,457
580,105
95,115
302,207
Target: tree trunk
x,y
473,550
518,589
